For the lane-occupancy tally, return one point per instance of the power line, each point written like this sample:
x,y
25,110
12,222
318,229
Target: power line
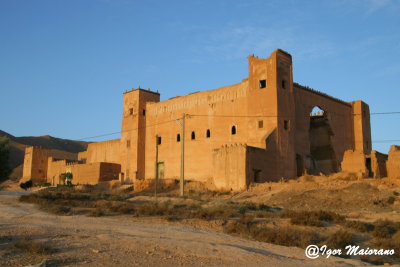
x,y
231,116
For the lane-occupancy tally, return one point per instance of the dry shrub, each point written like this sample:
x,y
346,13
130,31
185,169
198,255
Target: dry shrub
x,y
391,200
340,239
312,218
96,212
33,246
122,208
385,228
360,226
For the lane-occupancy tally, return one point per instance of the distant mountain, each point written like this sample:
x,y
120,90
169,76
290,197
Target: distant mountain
x,y
59,148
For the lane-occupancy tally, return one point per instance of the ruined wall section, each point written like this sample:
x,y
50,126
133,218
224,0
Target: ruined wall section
x,y
378,164
337,112
35,165
393,163
361,127
354,161
107,151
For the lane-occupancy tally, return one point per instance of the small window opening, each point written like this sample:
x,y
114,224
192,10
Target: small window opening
x,y
193,135
286,125
261,124
178,138
130,111
233,130
144,112
263,83
159,140
208,133
128,143
283,84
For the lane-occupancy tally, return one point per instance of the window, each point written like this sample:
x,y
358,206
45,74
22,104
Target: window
x,y
283,84
178,138
193,135
233,130
128,143
263,83
261,124
159,140
130,111
286,125
144,112
208,134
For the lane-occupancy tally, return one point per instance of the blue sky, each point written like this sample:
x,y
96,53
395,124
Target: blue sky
x,y
65,64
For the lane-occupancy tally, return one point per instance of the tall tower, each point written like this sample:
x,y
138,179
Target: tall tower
x,y
271,85
133,132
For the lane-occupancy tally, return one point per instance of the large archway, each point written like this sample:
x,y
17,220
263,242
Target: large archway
x,y
322,154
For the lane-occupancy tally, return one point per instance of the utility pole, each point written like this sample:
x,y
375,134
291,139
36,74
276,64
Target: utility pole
x,y
182,154
156,182
183,157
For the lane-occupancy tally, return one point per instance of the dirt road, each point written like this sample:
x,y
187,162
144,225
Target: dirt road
x,y
130,241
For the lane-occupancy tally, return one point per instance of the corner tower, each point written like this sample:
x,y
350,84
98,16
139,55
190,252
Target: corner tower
x,y
133,132
271,97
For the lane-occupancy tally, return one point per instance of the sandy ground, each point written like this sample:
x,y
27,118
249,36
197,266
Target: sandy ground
x,y
130,241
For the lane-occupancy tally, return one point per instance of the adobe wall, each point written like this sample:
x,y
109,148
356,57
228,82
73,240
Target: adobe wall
x,y
261,166
361,126
338,115
251,109
229,167
90,173
378,164
354,161
393,163
106,151
35,165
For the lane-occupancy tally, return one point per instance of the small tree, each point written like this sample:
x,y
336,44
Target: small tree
x,y
66,177
26,185
4,158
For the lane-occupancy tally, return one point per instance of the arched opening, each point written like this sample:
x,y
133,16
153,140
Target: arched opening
x,y
233,130
322,153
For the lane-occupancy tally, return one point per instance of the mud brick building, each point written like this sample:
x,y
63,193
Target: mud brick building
x,y
262,129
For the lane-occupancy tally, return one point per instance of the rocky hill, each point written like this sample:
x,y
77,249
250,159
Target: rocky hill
x,y
59,148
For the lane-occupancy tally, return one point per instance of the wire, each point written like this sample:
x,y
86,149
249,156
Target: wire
x,y
231,116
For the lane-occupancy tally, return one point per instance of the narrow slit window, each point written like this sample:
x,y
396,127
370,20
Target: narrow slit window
x,y
130,111
193,135
286,125
159,140
260,124
283,84
178,138
233,130
144,112
263,83
208,134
